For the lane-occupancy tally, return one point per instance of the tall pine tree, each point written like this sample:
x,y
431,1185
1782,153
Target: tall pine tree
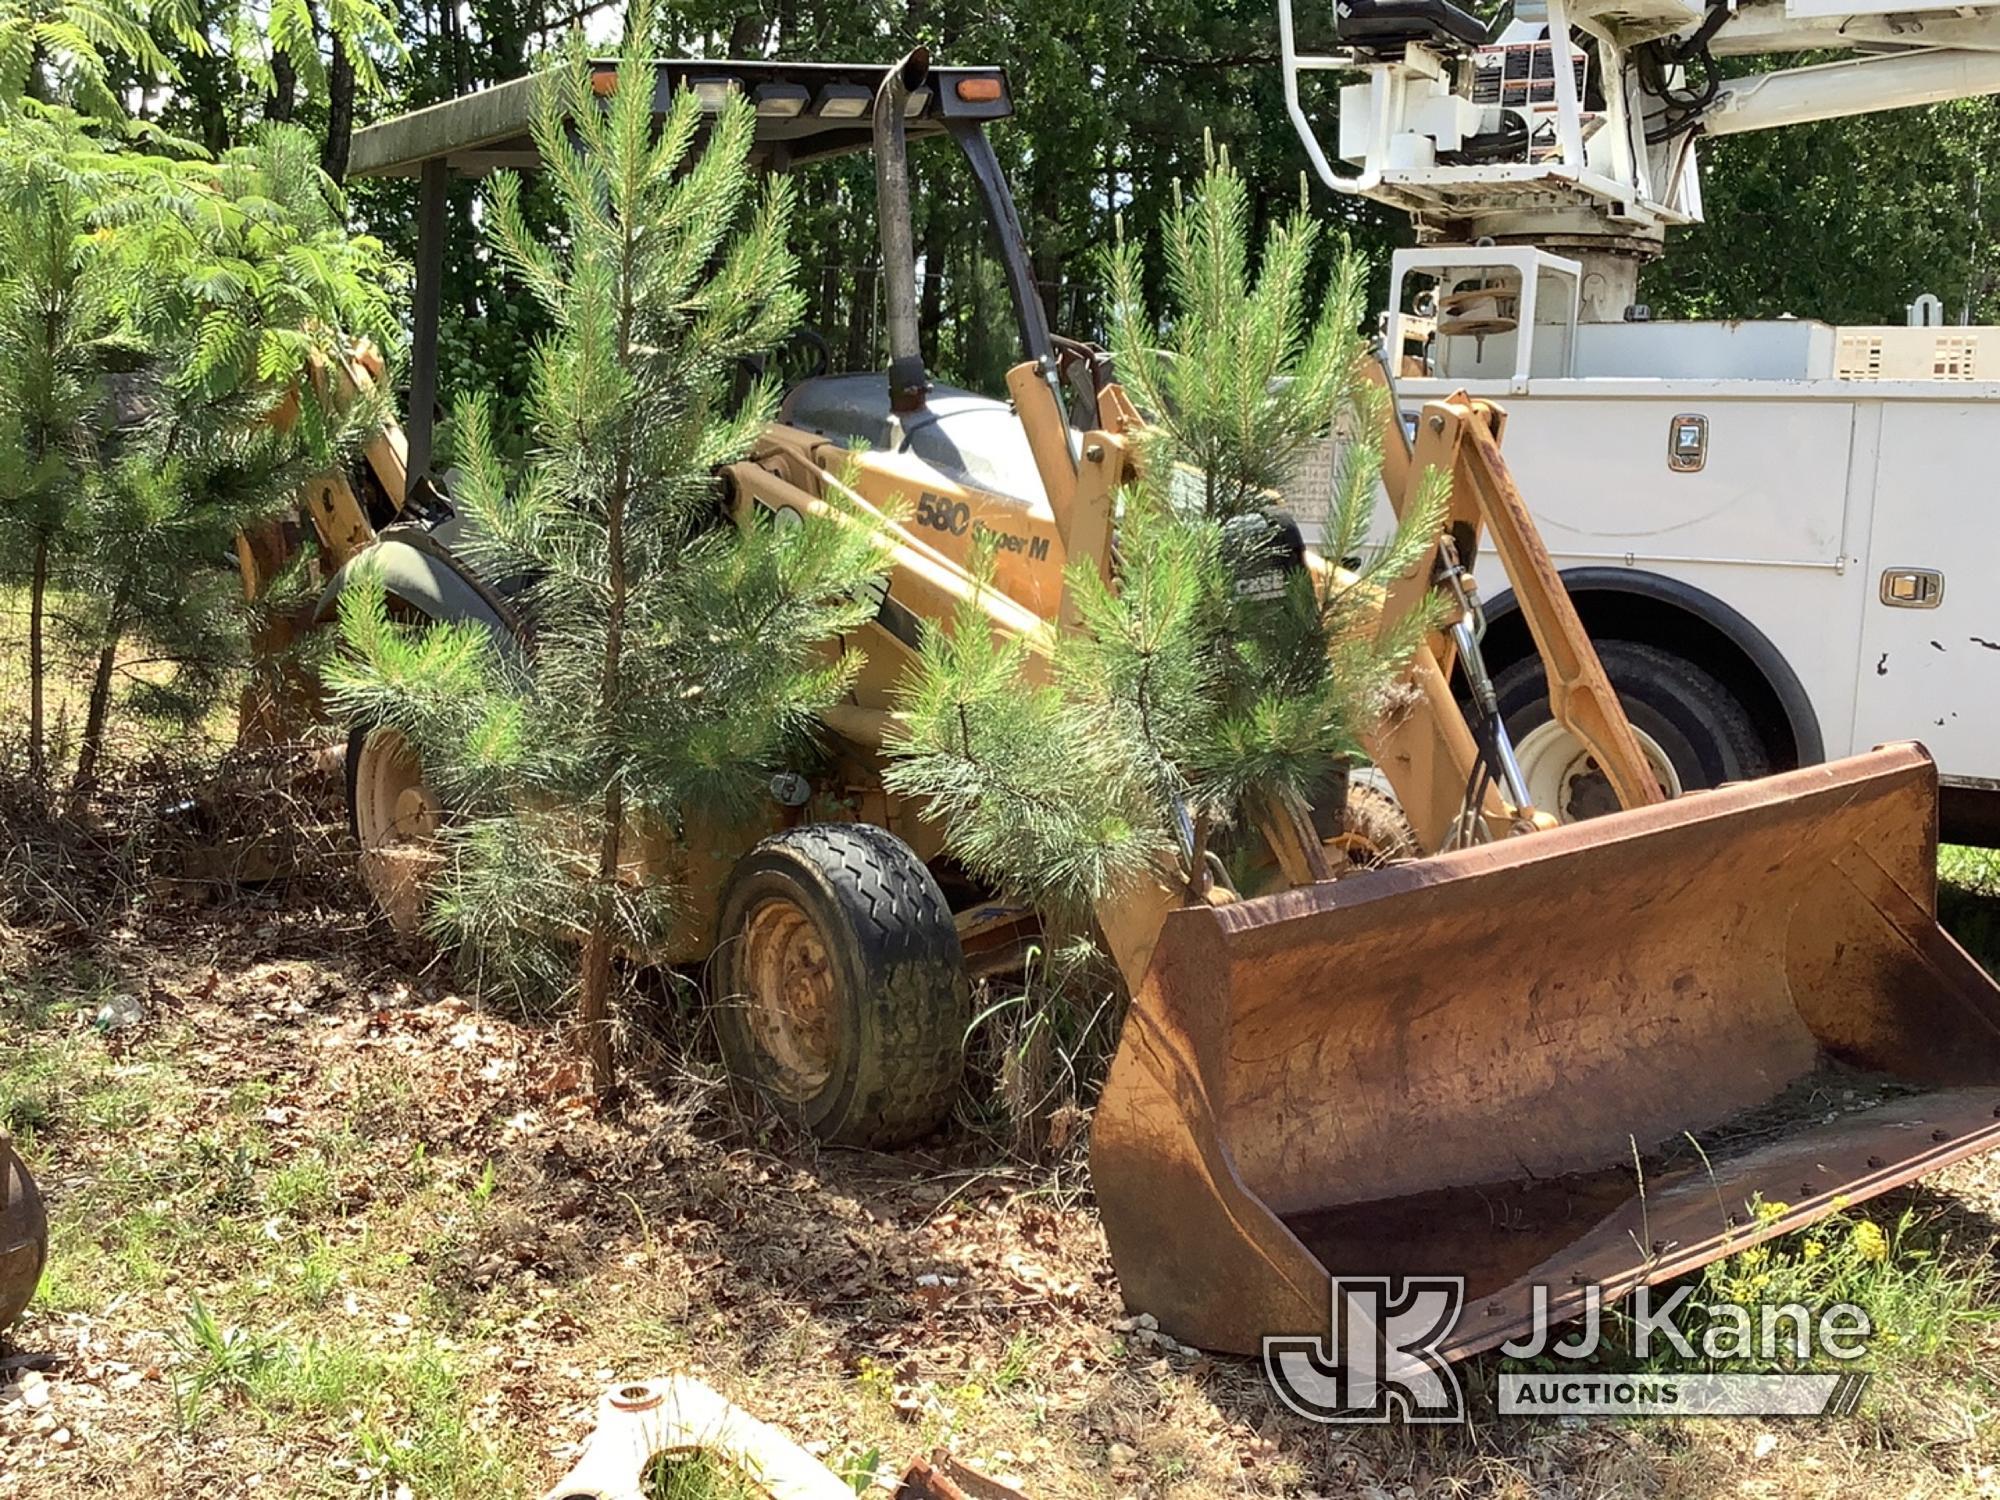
x,y
673,657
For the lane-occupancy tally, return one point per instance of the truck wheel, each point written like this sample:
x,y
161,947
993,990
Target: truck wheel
x,y
395,818
841,989
1693,729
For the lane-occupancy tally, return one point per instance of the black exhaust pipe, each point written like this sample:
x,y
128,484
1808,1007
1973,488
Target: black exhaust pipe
x,y
908,383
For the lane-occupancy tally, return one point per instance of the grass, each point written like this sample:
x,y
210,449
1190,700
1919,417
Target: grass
x,y
359,1273
1969,900
697,1475
398,1264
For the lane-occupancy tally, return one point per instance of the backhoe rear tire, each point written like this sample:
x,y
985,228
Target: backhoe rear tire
x,y
840,987
394,816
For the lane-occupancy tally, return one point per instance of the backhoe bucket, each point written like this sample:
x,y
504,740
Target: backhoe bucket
x,y
1567,1060
24,1233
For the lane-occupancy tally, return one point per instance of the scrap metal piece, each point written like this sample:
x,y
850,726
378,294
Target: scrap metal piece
x,y
943,1477
24,1233
639,1421
1448,1067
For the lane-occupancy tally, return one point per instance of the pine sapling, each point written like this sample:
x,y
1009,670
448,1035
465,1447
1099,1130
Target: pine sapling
x,y
1213,676
673,658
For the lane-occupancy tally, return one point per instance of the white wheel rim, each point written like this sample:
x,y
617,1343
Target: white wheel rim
x,y
391,803
1560,771
396,820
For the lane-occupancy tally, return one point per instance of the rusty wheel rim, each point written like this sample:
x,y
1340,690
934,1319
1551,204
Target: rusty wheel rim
x,y
791,996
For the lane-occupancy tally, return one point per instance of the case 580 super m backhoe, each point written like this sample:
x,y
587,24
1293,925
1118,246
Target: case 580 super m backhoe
x,y
1444,1066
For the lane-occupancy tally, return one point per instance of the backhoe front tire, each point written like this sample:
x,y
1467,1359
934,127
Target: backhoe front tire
x,y
840,988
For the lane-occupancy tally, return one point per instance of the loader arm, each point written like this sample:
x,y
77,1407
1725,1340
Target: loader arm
x,y
1461,437
1428,751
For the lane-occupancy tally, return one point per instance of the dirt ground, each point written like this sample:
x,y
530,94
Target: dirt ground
x,y
323,1226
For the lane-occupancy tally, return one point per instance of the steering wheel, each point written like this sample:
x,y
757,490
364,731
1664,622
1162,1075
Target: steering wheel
x,y
801,356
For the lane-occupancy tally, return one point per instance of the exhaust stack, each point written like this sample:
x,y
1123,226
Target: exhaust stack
x,y
908,384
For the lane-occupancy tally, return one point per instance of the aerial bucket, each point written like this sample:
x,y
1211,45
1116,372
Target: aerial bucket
x,y
1566,1060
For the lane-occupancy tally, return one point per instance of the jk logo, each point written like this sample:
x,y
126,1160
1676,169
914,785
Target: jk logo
x,y
1379,1361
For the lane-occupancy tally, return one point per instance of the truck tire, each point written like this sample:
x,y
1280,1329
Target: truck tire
x,y
841,992
1697,733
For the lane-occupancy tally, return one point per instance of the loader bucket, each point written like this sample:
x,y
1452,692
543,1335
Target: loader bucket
x,y
1465,1066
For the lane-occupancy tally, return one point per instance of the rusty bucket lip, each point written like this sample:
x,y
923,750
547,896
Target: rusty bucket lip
x,y
1714,805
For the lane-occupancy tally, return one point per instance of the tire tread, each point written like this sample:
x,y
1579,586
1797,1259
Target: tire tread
x,y
913,1036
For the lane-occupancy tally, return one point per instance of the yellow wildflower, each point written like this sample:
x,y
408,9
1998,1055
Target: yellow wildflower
x,y
1869,1242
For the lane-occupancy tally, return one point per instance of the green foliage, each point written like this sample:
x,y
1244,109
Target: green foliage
x,y
68,49
1246,377
166,324
697,1474
96,55
1845,220
674,659
1209,676
292,34
214,1361
56,317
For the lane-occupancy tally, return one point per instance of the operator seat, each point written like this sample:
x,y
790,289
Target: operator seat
x,y
968,437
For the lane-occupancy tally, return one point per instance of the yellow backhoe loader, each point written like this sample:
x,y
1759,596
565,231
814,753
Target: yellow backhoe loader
x,y
1449,1065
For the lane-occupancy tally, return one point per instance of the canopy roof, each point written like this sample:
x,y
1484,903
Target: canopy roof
x,y
804,111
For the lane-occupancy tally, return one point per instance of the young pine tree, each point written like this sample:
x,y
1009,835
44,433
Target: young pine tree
x,y
238,290
165,327
56,318
1209,680
672,657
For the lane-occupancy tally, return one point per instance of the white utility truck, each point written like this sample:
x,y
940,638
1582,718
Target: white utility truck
x,y
1776,530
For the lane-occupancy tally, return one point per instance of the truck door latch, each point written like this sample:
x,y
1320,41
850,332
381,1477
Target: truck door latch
x,y
1912,588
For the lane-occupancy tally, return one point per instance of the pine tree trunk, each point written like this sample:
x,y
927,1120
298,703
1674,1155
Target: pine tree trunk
x,y
91,746
38,588
747,32
593,1010
594,987
594,980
